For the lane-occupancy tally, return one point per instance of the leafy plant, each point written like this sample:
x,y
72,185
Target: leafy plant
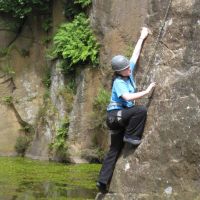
x,y
22,144
61,135
68,94
83,3
47,24
74,7
21,8
100,103
3,51
99,122
25,52
46,80
7,100
27,128
59,145
8,70
76,43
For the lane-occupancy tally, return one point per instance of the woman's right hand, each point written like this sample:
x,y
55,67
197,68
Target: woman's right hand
x,y
150,87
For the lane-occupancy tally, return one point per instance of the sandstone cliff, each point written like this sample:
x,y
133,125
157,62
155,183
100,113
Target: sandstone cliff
x,y
166,164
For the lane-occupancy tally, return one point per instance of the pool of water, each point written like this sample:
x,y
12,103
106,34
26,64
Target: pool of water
x,y
25,179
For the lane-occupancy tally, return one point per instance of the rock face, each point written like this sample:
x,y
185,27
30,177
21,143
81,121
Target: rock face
x,y
166,164
23,68
21,75
80,129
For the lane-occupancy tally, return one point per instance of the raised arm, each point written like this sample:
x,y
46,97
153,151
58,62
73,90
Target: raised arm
x,y
138,47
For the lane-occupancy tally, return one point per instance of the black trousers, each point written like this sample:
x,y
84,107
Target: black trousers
x,y
132,122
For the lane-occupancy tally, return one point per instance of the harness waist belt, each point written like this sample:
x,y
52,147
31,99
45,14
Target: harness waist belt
x,y
115,104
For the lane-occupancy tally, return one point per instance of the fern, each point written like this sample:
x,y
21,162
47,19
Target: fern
x,y
75,42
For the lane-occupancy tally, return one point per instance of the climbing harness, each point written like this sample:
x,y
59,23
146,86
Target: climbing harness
x,y
152,59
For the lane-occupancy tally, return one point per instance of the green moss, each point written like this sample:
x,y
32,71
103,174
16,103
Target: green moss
x,y
22,144
8,70
43,180
7,100
59,145
68,95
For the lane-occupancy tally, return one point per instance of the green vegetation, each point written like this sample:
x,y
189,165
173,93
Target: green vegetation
x,y
46,80
8,70
4,51
68,94
99,121
22,144
21,8
74,7
24,52
59,145
100,103
24,140
83,3
30,179
76,43
128,51
47,24
7,100
27,129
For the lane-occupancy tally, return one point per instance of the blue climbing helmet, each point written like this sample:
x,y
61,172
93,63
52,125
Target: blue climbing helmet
x,y
119,63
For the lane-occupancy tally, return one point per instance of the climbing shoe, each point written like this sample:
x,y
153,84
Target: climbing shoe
x,y
134,140
102,187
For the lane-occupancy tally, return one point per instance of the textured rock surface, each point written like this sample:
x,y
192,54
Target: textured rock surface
x,y
117,24
21,74
80,133
166,164
23,67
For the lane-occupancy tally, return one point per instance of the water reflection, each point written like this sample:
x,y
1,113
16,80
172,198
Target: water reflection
x,y
48,190
38,181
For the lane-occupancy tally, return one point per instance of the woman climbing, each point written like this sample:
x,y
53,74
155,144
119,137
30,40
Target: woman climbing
x,y
125,119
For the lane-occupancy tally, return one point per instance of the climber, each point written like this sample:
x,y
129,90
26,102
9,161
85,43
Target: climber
x,y
125,120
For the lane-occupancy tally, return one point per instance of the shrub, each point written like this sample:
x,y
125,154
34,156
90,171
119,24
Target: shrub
x,y
22,144
74,7
7,100
99,122
59,146
83,3
21,8
61,135
76,43
100,103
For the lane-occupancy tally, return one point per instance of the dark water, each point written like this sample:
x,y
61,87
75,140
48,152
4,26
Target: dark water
x,y
24,179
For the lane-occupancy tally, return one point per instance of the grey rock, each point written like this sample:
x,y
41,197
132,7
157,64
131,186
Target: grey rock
x,y
166,164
